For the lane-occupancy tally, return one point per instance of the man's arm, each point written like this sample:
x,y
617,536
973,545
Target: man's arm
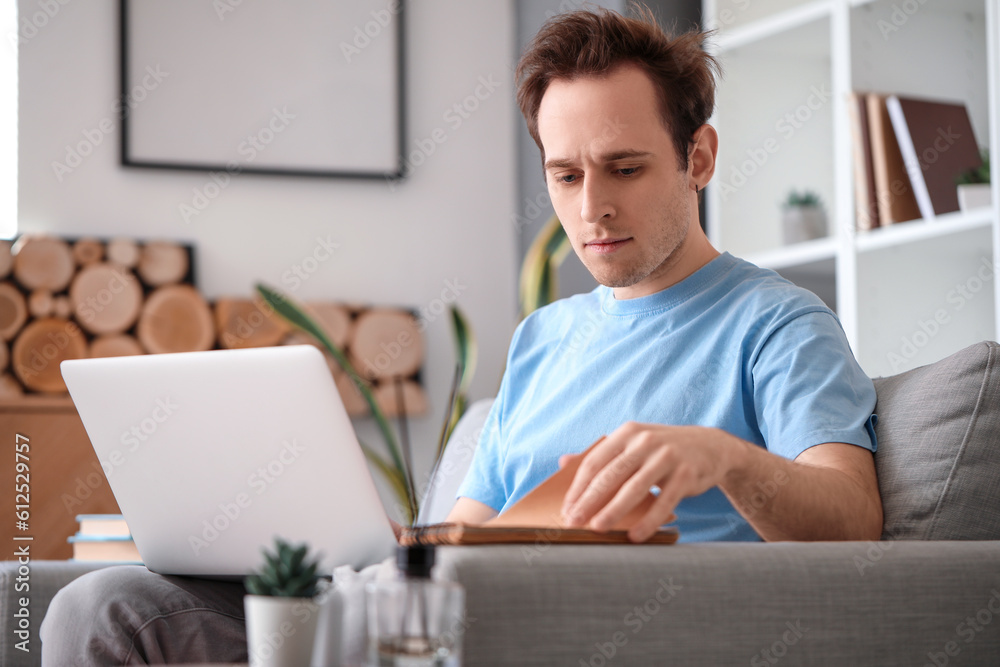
x,y
469,511
829,492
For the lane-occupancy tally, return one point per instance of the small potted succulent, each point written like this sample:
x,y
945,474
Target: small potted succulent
x,y
974,186
281,607
803,217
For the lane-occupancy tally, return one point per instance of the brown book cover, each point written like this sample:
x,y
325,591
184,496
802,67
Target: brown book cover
x,y
896,201
457,533
865,201
536,517
938,144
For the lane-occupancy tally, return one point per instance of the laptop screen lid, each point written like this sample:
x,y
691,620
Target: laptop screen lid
x,y
211,455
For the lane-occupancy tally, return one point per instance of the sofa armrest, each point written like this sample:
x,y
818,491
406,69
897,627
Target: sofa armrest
x,y
43,580
846,603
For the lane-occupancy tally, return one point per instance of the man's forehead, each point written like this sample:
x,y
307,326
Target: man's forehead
x,y
601,117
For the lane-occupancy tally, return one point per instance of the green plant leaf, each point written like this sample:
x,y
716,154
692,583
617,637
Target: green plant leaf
x,y
296,315
285,572
466,348
539,271
395,477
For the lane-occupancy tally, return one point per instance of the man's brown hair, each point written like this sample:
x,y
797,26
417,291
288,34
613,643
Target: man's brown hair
x,y
593,43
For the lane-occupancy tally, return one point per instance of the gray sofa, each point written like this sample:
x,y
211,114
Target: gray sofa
x,y
928,593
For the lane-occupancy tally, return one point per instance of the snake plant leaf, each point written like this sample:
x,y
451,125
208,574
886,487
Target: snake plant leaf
x,y
538,284
395,477
466,356
296,315
466,347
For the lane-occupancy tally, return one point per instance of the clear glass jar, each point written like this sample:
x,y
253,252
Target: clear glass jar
x,y
414,621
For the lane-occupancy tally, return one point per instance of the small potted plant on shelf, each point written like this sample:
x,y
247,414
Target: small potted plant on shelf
x,y
281,607
803,217
974,186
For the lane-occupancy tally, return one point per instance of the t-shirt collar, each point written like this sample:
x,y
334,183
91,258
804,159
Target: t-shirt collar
x,y
671,296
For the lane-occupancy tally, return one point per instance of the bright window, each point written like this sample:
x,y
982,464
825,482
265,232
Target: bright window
x,y
8,120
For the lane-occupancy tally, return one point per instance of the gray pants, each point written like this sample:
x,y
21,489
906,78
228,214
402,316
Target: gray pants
x,y
126,615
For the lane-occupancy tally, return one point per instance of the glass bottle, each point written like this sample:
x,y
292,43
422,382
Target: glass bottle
x,y
413,620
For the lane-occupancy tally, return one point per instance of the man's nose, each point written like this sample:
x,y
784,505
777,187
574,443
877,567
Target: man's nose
x,y
597,202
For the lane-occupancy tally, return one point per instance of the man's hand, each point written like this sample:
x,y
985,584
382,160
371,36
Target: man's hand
x,y
618,473
830,492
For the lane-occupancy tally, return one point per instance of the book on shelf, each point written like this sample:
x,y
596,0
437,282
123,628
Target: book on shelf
x,y
865,200
536,517
894,194
938,144
104,537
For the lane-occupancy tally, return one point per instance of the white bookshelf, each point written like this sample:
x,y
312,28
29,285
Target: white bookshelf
x,y
907,294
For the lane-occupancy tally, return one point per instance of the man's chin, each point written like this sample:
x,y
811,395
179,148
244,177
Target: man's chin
x,y
615,281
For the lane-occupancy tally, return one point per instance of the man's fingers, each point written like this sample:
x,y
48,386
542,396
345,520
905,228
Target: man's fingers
x,y
679,484
633,492
593,461
660,512
602,486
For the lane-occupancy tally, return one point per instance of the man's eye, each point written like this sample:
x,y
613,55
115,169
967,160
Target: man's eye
x,y
568,178
628,171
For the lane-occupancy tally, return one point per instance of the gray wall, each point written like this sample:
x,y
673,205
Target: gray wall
x,y
534,207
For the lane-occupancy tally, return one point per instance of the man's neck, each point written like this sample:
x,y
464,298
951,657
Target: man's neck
x,y
690,256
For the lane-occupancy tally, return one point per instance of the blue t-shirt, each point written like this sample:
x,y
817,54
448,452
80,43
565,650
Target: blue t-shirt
x,y
732,346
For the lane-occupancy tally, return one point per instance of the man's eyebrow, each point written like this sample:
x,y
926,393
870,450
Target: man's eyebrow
x,y
624,155
562,163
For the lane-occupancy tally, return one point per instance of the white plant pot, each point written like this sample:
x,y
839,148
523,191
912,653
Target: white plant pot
x,y
974,195
280,631
802,223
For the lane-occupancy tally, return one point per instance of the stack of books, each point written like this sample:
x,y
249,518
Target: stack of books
x,y
104,537
907,154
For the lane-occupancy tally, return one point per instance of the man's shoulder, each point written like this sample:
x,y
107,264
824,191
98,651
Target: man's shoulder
x,y
765,290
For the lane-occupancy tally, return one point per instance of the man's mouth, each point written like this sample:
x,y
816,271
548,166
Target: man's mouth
x,y
606,246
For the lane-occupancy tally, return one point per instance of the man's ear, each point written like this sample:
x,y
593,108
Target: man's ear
x,y
703,148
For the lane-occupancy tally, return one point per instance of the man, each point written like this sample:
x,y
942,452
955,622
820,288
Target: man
x,y
717,382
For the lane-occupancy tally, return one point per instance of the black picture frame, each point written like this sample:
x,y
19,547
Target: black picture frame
x,y
181,127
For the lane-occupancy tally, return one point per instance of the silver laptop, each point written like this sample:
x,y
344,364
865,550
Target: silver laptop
x,y
211,455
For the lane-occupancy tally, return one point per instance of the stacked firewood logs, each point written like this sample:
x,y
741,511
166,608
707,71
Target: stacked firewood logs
x,y
76,298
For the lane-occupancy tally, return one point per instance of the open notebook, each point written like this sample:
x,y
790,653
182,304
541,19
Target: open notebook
x,y
536,517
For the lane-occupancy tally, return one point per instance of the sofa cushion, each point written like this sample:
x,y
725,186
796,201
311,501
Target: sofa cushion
x,y
938,457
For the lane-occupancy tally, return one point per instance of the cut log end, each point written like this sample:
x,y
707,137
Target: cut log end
x,y
124,252
43,262
414,398
176,318
106,298
41,347
88,251
162,263
6,259
13,311
243,323
115,345
41,303
386,343
10,387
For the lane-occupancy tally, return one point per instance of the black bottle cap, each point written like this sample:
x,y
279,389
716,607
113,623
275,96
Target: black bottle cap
x,y
416,561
